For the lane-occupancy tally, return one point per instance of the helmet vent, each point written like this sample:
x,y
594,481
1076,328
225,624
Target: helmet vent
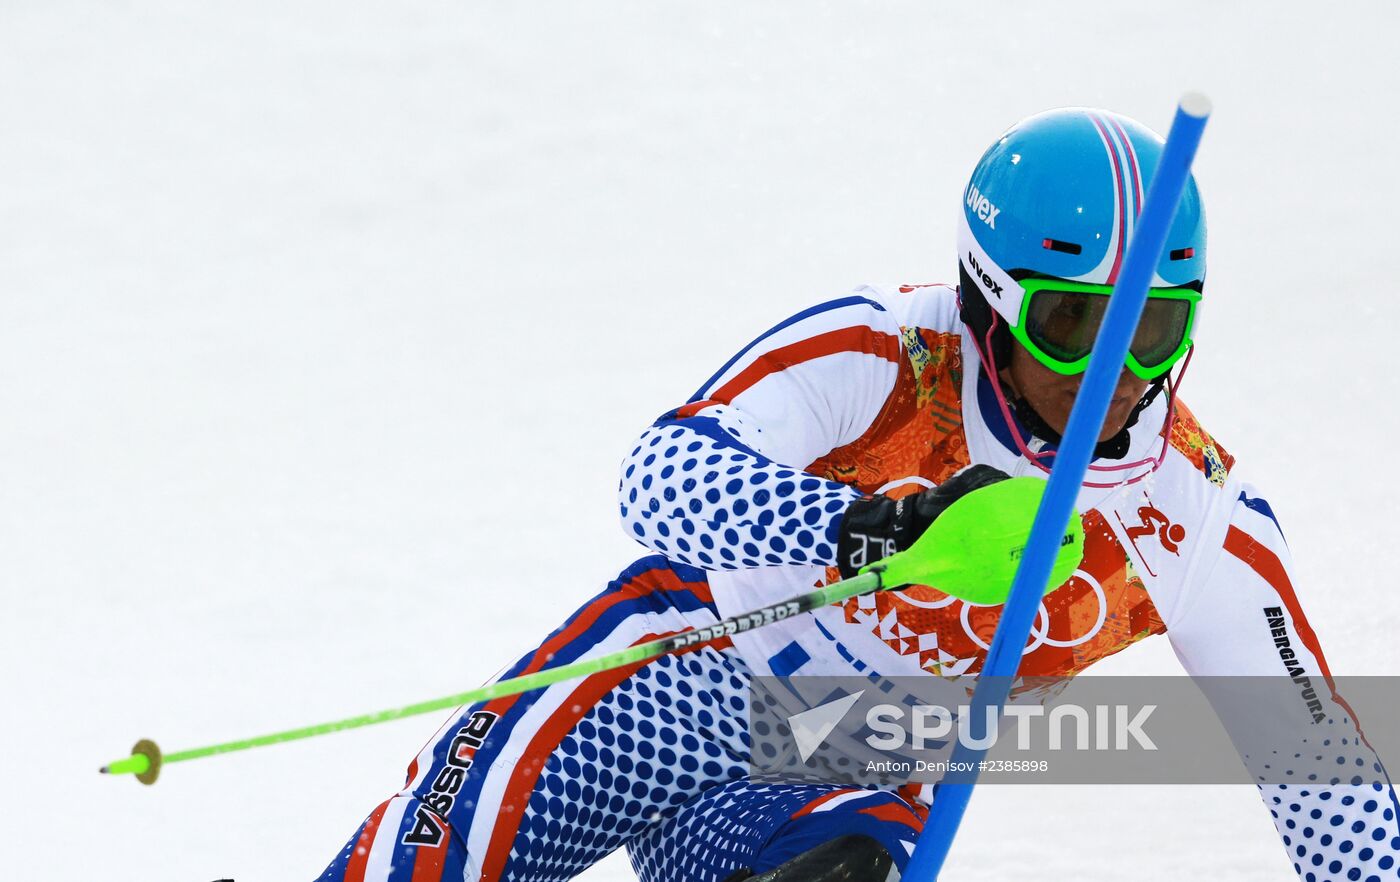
x,y
1057,245
1182,253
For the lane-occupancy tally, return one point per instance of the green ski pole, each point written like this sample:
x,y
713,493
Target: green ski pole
x,y
970,551
146,758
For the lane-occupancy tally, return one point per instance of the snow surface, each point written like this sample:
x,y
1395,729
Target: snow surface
x,y
324,325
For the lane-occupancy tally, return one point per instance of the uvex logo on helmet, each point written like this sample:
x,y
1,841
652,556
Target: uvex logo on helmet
x,y
987,281
982,206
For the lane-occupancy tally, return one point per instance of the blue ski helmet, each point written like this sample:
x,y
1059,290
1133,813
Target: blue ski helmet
x,y
1058,195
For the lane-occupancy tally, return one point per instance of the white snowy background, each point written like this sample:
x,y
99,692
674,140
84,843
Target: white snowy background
x,y
324,325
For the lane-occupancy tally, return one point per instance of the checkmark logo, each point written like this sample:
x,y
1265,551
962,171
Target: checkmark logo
x,y
811,727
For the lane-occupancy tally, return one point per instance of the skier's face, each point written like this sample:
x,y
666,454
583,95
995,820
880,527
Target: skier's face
x,y
1052,394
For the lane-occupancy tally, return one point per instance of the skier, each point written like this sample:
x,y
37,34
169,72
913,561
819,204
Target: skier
x,y
782,471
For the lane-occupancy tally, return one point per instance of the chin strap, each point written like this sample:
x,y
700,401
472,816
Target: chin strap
x,y
1114,448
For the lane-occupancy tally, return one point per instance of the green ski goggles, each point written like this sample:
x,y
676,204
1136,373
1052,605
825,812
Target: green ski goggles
x,y
1060,321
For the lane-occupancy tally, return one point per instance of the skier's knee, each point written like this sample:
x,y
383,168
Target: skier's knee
x,y
854,858
403,836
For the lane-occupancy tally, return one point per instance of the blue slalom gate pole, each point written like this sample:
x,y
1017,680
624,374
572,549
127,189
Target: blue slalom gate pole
x,y
1066,475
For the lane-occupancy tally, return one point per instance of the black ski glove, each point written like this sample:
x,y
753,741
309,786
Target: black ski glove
x,y
878,526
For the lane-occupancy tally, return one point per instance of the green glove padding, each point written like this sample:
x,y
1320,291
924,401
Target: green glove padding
x,y
972,549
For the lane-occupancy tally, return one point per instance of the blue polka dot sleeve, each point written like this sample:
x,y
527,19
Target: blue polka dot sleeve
x,y
1339,820
693,490
720,483
1340,828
